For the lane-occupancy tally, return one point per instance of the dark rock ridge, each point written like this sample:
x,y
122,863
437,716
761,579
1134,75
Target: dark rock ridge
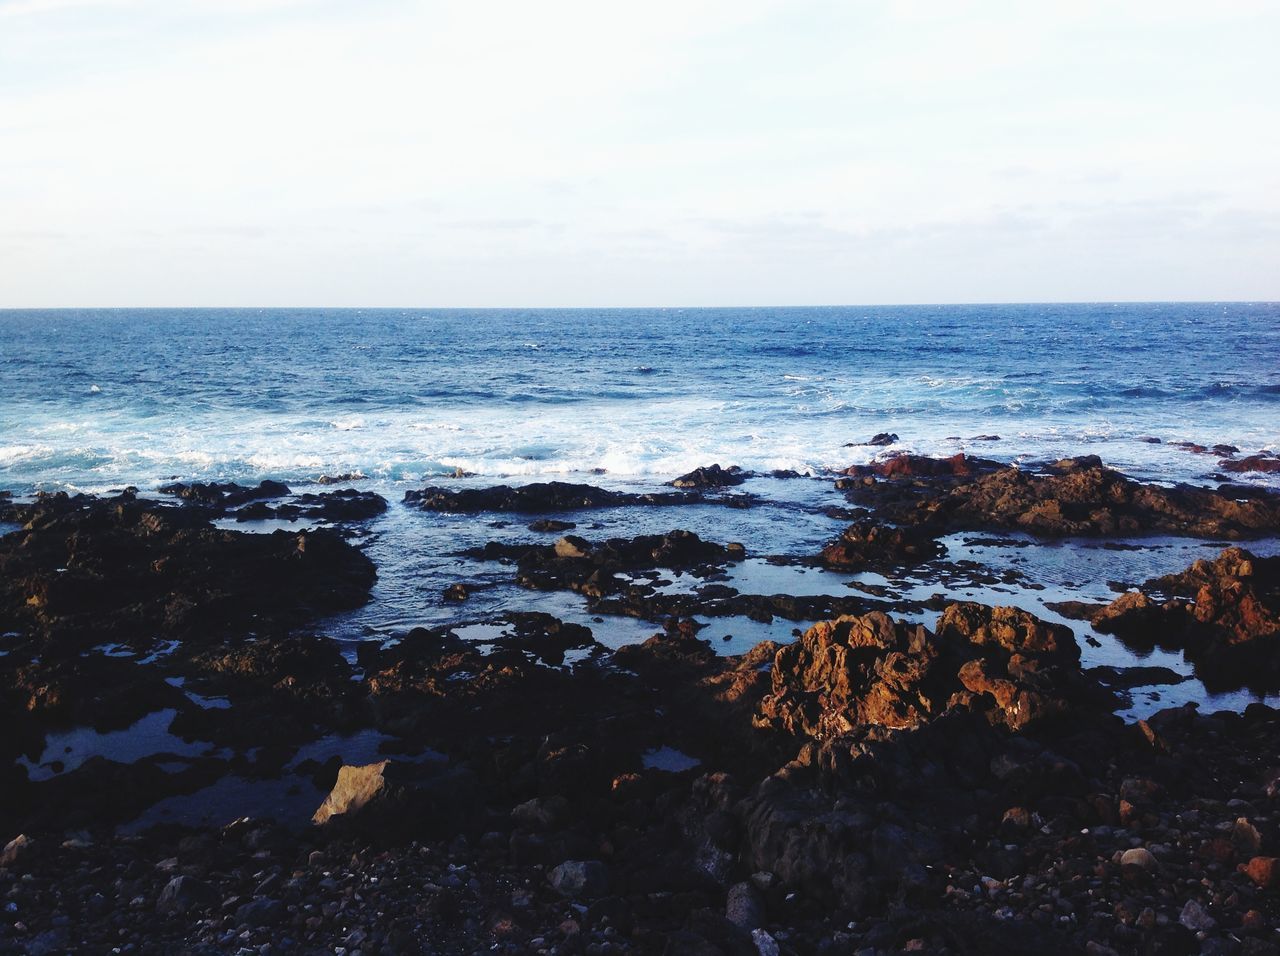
x,y
224,495
538,497
89,570
870,544
873,671
1225,615
712,476
251,504
1074,497
921,466
344,505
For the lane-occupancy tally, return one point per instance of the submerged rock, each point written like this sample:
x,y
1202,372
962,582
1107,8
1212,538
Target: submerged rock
x,y
538,497
347,504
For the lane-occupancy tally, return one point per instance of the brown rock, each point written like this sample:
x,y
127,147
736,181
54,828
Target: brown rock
x,y
866,544
1264,871
870,670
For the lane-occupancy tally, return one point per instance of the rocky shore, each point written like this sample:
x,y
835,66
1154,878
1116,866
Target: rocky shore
x,y
884,774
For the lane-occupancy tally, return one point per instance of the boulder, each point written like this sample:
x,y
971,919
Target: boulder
x,y
580,879
1265,464
711,476
183,893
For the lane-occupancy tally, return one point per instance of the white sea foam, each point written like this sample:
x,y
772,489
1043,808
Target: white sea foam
x,y
641,440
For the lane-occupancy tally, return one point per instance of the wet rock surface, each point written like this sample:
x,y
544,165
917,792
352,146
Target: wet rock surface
x,y
109,606
538,497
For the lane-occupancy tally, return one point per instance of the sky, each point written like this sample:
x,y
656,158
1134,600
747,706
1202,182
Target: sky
x,y
610,153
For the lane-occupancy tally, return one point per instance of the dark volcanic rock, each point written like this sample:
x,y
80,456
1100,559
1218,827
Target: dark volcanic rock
x,y
538,497
347,504
109,604
712,476
869,544
574,563
224,495
551,524
879,440
1075,496
128,570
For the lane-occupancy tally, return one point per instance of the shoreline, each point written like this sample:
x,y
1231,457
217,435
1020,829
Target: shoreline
x,y
541,742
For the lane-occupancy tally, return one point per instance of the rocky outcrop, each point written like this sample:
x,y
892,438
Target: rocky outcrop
x,y
344,505
389,800
712,476
873,671
1074,497
881,439
1264,464
1224,613
870,544
224,495
88,570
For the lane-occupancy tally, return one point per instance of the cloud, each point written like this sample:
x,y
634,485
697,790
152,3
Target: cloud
x,y
397,151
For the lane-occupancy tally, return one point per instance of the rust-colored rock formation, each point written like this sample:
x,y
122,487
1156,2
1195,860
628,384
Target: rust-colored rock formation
x,y
1224,613
871,670
1076,496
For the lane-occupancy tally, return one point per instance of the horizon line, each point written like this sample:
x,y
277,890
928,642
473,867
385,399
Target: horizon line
x,y
608,308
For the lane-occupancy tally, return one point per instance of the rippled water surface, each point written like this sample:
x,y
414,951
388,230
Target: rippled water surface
x,y
91,399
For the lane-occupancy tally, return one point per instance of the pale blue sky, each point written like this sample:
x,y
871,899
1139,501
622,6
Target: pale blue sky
x,y
695,152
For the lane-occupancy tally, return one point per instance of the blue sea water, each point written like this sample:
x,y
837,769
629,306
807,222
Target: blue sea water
x,y
93,399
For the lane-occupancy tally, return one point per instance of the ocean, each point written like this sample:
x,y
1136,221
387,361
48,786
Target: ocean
x,y
96,399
